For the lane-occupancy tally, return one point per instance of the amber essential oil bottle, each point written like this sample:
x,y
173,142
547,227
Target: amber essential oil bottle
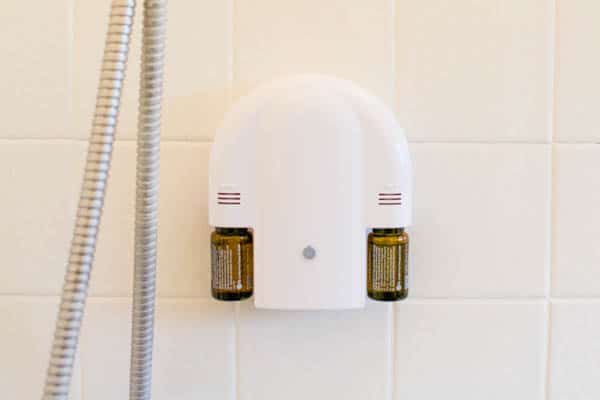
x,y
231,264
387,264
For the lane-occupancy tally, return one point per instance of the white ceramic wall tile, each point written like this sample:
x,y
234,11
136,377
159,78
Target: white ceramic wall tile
x,y
475,70
105,351
575,351
462,350
41,183
481,224
314,355
352,39
576,250
461,71
26,337
184,234
578,63
193,353
34,73
197,72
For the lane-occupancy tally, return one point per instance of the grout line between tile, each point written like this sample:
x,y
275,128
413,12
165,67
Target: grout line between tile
x,y
547,354
85,140
550,235
574,300
210,141
550,231
550,239
575,142
231,51
411,300
555,68
552,227
479,142
457,300
15,296
392,353
70,65
45,296
236,353
394,34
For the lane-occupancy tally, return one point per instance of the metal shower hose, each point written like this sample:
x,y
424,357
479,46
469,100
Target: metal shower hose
x,y
83,244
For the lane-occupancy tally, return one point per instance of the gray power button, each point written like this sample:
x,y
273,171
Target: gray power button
x,y
309,252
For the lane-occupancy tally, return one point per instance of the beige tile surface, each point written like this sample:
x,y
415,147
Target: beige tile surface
x,y
193,353
505,223
576,213
323,354
184,234
197,72
476,71
27,328
481,220
352,39
476,350
41,182
575,351
35,69
577,65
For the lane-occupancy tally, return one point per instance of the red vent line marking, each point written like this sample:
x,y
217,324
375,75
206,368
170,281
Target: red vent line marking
x,y
390,194
389,198
226,193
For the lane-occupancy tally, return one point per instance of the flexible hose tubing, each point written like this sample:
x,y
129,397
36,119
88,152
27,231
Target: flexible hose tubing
x,y
146,204
97,166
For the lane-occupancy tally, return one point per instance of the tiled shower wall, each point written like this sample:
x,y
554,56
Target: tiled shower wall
x,y
500,102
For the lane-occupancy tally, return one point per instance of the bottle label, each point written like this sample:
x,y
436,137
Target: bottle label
x,y
389,271
231,266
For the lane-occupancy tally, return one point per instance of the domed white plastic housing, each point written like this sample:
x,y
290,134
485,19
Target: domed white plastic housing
x,y
311,164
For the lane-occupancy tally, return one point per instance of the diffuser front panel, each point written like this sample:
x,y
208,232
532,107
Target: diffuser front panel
x,y
309,239
310,164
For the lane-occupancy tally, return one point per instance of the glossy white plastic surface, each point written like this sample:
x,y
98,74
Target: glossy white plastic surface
x,y
311,164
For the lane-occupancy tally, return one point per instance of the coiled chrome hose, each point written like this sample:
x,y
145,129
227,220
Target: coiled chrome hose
x,y
83,244
146,216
